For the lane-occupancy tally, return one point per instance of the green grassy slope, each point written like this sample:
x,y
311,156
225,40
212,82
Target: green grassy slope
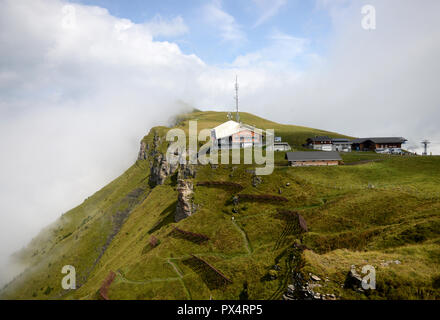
x,y
356,214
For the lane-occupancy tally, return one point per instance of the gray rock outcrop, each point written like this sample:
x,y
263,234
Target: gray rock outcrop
x,y
184,206
143,151
161,169
256,180
187,171
300,289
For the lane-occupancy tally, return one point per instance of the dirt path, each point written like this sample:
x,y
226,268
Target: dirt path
x,y
245,237
180,274
124,279
359,162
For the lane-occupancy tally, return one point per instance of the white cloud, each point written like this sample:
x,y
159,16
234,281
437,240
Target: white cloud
x,y
229,29
370,83
281,52
268,9
159,26
78,90
389,75
77,95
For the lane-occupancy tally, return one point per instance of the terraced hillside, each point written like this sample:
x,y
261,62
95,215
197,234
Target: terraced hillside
x,y
239,243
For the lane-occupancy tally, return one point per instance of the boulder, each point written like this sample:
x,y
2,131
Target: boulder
x,y
256,180
315,278
299,289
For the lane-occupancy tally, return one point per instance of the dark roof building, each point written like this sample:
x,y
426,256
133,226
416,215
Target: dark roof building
x,y
389,140
341,140
371,144
320,143
326,143
313,158
341,144
320,139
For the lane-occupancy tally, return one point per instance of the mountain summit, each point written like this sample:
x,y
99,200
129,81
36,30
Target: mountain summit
x,y
164,231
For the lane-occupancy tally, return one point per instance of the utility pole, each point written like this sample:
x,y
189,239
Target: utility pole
x,y
237,116
425,145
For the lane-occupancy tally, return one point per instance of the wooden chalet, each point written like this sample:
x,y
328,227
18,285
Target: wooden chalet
x,y
372,144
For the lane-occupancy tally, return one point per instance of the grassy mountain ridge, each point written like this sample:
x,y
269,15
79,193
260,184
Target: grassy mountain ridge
x,y
295,135
371,213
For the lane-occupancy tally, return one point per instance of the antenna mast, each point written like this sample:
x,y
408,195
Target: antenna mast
x,y
425,145
237,116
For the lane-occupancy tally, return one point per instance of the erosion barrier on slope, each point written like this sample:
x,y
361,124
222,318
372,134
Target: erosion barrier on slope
x,y
295,216
191,236
212,277
224,184
103,291
295,225
261,198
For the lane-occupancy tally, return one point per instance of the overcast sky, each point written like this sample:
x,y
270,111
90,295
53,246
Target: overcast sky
x,y
82,82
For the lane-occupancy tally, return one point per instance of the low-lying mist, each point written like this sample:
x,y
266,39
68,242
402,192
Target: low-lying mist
x,y
76,98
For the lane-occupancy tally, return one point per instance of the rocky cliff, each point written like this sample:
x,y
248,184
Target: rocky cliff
x,y
184,206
